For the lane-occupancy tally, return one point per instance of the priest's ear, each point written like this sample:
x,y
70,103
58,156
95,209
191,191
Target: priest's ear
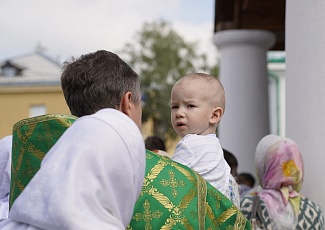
x,y
126,103
131,108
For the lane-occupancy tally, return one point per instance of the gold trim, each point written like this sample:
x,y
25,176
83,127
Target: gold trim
x,y
228,213
240,221
24,137
62,118
202,196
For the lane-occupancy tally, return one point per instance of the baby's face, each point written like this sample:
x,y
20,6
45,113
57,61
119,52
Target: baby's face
x,y
191,108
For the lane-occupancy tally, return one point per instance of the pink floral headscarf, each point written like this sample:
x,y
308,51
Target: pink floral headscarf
x,y
279,168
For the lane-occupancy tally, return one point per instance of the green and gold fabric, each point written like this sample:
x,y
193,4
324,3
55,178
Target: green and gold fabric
x,y
32,139
175,197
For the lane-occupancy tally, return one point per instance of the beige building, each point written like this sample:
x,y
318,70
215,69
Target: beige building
x,y
29,86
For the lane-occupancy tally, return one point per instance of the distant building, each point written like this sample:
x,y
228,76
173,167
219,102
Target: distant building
x,y
29,86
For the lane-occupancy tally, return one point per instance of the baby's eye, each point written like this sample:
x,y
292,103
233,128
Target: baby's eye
x,y
191,106
174,107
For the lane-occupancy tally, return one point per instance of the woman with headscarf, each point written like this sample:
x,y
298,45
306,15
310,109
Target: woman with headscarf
x,y
5,162
279,168
90,179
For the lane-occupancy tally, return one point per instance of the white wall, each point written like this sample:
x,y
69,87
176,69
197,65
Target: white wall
x,y
305,89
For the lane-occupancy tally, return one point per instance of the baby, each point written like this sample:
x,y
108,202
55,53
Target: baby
x,y
197,105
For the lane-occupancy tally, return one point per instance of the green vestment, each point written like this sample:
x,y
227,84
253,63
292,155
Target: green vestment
x,y
175,197
32,139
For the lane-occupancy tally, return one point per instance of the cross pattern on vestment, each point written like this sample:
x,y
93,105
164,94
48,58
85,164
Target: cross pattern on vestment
x,y
147,215
173,183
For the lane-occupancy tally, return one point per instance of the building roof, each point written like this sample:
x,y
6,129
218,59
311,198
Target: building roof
x,y
30,70
252,14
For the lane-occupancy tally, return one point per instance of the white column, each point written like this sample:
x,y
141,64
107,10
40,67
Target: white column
x,y
305,90
243,73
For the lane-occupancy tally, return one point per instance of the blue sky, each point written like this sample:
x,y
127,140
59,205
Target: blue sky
x,y
196,11
72,27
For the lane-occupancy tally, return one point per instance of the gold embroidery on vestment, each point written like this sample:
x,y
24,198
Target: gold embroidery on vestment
x,y
202,196
161,198
187,199
36,152
25,135
184,171
228,213
29,170
62,119
240,221
173,183
23,132
154,172
210,212
20,160
217,221
187,224
149,156
147,215
217,196
168,224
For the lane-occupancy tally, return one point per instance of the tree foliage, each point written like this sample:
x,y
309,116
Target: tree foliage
x,y
161,56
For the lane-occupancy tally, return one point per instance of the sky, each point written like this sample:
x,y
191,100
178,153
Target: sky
x,y
66,28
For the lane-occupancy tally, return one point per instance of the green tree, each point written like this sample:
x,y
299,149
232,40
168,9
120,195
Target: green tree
x,y
160,56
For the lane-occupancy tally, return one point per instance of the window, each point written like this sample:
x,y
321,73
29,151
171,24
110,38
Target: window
x,y
8,71
37,110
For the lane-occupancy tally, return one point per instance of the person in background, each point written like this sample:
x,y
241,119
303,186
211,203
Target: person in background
x,y
246,182
157,145
280,172
197,105
232,162
5,163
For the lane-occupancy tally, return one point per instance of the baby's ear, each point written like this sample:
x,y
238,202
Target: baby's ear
x,y
216,115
